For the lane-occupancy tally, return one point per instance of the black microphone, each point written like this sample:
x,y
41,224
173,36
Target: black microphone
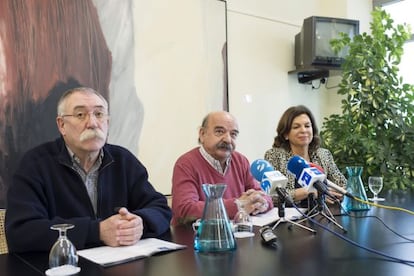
x,y
323,189
283,195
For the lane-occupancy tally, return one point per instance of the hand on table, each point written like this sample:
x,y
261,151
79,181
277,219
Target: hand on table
x,y
123,228
254,201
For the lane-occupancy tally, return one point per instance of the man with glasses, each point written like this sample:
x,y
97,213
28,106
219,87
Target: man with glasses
x,y
215,161
79,179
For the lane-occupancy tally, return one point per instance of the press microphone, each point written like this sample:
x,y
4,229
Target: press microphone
x,y
259,167
309,177
330,184
313,165
304,174
269,178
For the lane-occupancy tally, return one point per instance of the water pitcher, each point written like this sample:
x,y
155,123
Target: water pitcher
x,y
214,233
355,187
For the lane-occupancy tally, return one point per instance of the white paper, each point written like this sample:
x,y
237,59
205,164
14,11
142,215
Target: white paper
x,y
107,256
272,216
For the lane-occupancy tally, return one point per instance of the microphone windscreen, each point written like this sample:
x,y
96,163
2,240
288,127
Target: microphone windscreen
x,y
259,167
296,165
313,165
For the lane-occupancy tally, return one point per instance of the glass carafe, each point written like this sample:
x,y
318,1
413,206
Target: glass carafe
x,y
355,187
214,233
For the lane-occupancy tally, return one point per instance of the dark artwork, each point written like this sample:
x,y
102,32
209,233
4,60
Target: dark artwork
x,y
46,47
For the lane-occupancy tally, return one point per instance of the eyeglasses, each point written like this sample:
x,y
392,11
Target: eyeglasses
x,y
83,115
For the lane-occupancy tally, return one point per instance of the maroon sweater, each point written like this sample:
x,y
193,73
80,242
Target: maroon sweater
x,y
191,171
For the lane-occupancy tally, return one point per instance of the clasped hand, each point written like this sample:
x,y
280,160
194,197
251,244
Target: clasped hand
x,y
254,201
123,228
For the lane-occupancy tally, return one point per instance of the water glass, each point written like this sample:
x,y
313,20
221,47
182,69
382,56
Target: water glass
x,y
375,184
243,224
63,258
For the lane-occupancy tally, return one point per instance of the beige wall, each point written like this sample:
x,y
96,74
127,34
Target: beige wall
x,y
179,77
171,75
261,52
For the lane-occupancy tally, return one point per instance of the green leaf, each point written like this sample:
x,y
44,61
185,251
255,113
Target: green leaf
x,y
376,127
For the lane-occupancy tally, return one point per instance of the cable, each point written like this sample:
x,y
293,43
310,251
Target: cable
x,y
372,216
407,262
384,206
378,218
385,225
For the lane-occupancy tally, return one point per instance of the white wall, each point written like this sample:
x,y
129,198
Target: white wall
x,y
172,81
179,77
261,52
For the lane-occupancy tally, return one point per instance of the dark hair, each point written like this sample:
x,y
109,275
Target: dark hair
x,y
285,125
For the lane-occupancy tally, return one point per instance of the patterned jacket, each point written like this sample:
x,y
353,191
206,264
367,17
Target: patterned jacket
x,y
279,158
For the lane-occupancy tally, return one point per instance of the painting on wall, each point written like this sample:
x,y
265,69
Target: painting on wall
x,y
48,47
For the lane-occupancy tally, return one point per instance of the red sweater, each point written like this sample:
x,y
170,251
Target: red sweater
x,y
191,171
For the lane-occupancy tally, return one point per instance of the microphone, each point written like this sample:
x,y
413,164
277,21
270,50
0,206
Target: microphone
x,y
305,175
270,179
259,167
313,165
330,184
309,177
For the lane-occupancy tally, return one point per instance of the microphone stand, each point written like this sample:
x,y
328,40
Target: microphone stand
x,y
281,212
322,209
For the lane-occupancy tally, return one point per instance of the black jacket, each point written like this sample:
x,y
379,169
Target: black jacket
x,y
46,191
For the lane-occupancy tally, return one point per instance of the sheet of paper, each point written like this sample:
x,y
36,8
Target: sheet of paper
x,y
272,216
107,256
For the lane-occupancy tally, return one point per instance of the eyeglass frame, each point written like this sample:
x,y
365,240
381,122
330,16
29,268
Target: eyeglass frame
x,y
82,116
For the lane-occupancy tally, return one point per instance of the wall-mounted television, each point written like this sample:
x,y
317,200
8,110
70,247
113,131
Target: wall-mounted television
x,y
312,44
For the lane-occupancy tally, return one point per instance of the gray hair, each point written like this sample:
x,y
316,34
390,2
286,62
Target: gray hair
x,y
66,94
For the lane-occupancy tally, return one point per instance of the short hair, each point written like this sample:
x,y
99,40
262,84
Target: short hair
x,y
204,124
66,94
206,120
285,125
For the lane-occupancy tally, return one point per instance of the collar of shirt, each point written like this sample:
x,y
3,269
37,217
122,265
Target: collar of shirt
x,y
214,162
76,160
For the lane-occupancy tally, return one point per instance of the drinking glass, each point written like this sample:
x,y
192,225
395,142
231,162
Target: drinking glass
x,y
63,259
243,224
375,185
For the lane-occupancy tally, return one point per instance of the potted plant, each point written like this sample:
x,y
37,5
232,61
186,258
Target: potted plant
x,y
375,129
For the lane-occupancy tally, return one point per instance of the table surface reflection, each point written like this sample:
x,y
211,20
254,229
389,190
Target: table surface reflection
x,y
299,252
